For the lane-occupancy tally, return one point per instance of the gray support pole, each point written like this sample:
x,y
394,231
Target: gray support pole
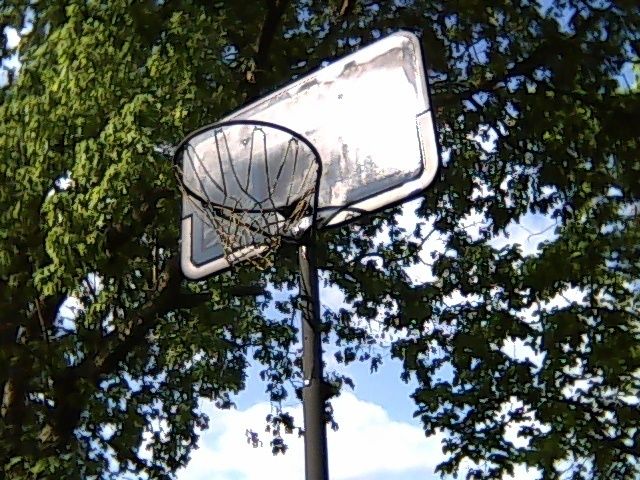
x,y
314,392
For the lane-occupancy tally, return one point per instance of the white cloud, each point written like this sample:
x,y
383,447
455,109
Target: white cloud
x,y
331,297
529,233
520,471
12,62
368,443
13,37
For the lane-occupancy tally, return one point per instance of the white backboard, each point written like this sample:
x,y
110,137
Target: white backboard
x,y
368,118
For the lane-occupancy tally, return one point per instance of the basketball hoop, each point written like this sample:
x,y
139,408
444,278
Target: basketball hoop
x,y
257,187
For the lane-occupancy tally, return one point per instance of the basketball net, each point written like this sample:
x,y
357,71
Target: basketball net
x,y
241,218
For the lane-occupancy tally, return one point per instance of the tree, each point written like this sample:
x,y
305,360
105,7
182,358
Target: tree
x,y
89,210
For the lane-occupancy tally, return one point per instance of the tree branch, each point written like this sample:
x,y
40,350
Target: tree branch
x,y
114,346
114,349
525,68
119,234
275,10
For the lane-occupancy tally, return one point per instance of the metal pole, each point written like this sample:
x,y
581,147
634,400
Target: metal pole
x,y
314,392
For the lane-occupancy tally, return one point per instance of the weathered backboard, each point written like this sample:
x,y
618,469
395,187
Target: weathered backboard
x,y
368,118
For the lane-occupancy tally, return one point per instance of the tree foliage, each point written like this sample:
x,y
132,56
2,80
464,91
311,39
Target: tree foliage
x,y
105,351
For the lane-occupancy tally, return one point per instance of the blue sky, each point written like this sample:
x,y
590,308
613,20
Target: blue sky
x,y
377,437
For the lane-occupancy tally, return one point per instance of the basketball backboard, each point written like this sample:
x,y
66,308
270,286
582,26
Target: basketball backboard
x,y
366,118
